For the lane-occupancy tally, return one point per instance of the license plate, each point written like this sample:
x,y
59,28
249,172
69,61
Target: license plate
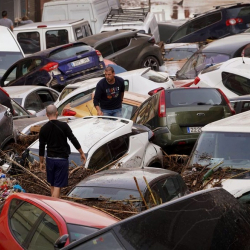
x,y
194,129
80,61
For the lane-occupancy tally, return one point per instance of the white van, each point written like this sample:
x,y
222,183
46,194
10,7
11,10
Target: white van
x,y
138,18
39,36
224,146
10,50
94,11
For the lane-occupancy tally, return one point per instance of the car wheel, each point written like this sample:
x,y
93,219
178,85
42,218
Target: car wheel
x,y
151,62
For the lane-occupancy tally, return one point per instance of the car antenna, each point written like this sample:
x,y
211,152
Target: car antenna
x,y
243,58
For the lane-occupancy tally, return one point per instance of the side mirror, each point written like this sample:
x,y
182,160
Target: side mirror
x,y
61,241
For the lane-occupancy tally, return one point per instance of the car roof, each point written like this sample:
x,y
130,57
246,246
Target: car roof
x,y
124,177
107,36
236,123
227,45
219,8
72,212
22,91
90,130
49,24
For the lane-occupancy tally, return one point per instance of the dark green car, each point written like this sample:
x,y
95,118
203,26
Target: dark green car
x,y
176,116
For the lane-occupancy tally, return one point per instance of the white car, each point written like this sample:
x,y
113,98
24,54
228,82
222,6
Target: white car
x,y
224,145
139,81
106,139
232,77
32,98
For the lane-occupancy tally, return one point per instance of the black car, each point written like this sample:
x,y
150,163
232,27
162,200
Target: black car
x,y
217,23
119,184
127,48
56,67
216,52
208,219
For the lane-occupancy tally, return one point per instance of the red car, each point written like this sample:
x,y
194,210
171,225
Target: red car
x,y
30,221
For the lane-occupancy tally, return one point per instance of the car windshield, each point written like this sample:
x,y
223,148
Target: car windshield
x,y
104,192
77,232
198,62
224,148
155,76
73,157
194,97
65,92
69,51
7,59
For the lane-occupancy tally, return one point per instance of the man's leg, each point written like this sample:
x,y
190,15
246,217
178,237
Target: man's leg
x,y
117,113
51,190
107,112
57,192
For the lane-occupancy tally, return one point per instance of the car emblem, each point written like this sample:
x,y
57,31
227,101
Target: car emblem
x,y
200,114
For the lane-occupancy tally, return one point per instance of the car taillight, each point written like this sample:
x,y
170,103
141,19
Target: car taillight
x,y
99,55
196,80
162,105
151,40
154,91
233,21
68,112
50,66
227,101
4,92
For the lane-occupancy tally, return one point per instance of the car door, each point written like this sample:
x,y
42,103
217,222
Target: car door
x,y
30,226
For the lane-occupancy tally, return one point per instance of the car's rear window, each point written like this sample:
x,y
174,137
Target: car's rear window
x,y
69,51
194,97
155,76
239,12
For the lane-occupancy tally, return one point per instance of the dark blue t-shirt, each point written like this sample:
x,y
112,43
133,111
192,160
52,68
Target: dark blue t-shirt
x,y
108,96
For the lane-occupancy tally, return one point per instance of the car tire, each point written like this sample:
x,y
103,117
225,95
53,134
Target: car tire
x,y
151,62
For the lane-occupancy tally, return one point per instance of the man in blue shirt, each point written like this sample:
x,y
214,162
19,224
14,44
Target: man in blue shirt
x,y
109,94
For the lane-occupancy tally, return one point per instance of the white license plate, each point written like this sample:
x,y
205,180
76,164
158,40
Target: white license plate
x,y
80,61
194,129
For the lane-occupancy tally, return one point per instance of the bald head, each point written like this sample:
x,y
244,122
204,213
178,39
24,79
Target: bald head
x,y
51,111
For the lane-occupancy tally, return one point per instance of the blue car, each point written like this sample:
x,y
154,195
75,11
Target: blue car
x,y
56,67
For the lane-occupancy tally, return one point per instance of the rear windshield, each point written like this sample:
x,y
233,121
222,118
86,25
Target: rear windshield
x,y
180,53
194,97
239,12
7,59
155,76
65,92
29,41
69,51
97,192
200,61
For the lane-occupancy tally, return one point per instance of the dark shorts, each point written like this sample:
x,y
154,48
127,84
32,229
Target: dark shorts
x,y
57,171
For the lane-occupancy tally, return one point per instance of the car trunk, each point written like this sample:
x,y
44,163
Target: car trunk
x,y
190,119
77,64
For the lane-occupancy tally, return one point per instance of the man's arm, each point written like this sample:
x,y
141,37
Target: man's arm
x,y
75,142
97,98
41,150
